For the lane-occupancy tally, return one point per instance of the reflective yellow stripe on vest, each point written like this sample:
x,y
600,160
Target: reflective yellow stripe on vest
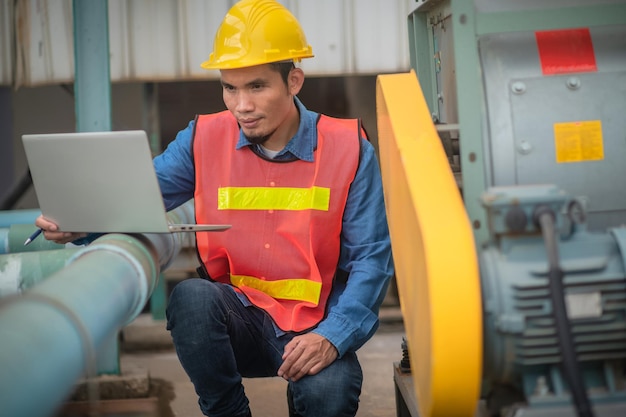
x,y
273,198
286,289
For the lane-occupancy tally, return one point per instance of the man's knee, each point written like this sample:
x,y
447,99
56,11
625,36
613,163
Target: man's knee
x,y
191,297
334,391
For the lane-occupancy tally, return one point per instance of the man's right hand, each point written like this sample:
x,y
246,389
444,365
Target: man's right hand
x,y
51,231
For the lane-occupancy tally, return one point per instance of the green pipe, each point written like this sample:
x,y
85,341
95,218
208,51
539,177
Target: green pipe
x,y
21,267
21,271
65,327
13,240
9,217
52,334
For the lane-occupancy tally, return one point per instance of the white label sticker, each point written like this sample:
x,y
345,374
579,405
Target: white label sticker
x,y
583,305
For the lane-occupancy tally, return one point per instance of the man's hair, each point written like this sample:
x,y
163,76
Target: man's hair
x,y
284,67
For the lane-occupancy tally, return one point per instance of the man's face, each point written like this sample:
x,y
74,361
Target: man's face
x,y
258,98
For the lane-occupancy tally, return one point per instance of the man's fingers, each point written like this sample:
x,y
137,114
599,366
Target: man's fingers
x,y
295,371
51,231
289,347
45,224
306,354
57,237
291,357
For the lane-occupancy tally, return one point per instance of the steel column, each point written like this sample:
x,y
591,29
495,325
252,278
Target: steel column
x,y
92,79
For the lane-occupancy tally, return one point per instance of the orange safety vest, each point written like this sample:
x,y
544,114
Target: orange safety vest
x,y
283,248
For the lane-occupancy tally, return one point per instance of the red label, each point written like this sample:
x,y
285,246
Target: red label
x,y
566,51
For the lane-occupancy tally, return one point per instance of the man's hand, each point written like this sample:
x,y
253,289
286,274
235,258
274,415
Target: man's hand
x,y
306,354
50,231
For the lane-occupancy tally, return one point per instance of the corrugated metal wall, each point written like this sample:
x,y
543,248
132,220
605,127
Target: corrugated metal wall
x,y
164,40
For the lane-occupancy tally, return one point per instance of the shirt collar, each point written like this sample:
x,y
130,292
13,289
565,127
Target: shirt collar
x,y
302,144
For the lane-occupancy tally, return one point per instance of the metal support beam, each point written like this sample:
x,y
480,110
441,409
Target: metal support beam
x,y
470,106
150,116
7,173
593,15
421,47
92,80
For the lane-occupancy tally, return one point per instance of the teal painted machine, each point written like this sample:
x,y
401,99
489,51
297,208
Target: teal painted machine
x,y
529,99
523,360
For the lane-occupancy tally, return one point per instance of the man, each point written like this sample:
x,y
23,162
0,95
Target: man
x,y
294,287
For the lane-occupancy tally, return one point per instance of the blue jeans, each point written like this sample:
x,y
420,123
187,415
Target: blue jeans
x,y
219,340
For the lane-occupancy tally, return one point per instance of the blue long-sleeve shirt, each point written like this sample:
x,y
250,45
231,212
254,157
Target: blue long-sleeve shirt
x,y
365,245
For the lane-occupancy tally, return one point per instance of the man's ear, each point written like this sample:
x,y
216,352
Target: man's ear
x,y
295,80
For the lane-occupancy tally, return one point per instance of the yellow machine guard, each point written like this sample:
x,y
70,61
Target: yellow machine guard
x,y
434,253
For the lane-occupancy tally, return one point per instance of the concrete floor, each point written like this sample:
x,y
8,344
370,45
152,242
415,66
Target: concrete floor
x,y
267,395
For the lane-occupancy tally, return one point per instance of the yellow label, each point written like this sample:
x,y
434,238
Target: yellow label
x,y
578,141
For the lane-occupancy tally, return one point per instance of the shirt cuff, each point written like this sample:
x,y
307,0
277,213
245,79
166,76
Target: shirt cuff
x,y
339,331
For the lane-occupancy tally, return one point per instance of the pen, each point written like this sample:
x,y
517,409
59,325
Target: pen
x,y
33,236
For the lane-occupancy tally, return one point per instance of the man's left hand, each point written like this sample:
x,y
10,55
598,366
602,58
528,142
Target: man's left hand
x,y
306,354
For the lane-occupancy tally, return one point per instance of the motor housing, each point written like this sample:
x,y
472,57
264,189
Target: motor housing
x,y
521,344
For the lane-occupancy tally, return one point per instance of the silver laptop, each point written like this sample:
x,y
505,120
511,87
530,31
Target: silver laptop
x,y
100,182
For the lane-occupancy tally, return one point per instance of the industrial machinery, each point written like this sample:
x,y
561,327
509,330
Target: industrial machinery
x,y
502,153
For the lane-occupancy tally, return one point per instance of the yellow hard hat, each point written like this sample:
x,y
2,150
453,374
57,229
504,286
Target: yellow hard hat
x,y
256,32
